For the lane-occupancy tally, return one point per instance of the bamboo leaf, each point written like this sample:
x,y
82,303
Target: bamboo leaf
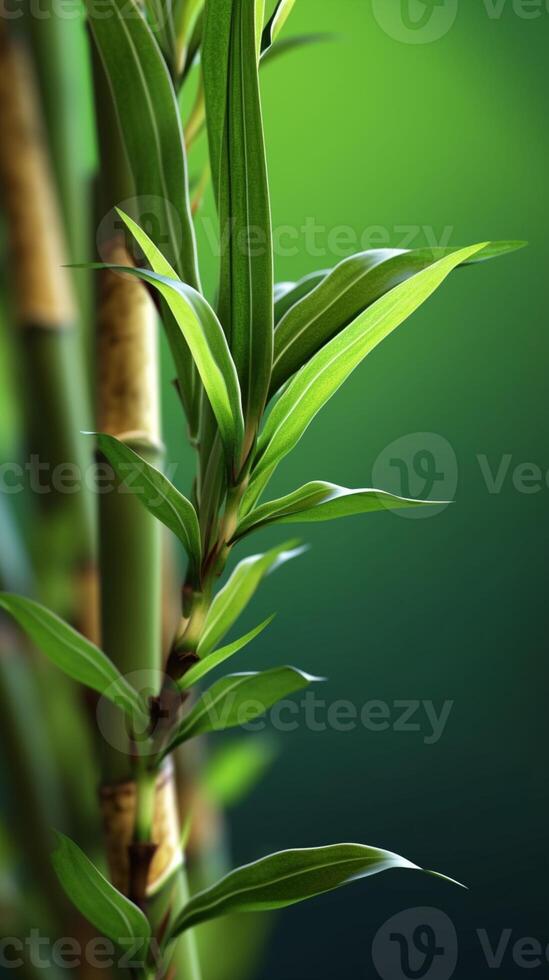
x,y
321,501
276,22
150,123
201,330
287,294
286,878
73,654
160,21
196,326
233,598
238,699
186,16
110,912
204,335
157,494
320,378
329,302
217,657
259,19
239,171
492,250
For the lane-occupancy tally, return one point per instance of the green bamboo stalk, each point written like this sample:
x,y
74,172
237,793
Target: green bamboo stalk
x,y
127,407
36,802
59,47
130,539
46,320
60,529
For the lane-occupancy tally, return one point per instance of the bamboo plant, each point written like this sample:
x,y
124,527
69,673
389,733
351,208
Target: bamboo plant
x,y
252,369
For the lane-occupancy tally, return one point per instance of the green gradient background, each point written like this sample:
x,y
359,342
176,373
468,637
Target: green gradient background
x,y
368,131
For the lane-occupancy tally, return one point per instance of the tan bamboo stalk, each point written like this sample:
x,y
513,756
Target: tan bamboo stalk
x,y
140,812
45,316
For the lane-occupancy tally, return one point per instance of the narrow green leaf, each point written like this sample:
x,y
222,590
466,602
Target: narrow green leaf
x,y
239,172
275,24
235,768
321,501
157,494
237,699
287,294
217,657
233,598
110,912
493,250
160,21
259,21
186,16
336,299
286,878
73,653
320,378
205,337
150,123
203,333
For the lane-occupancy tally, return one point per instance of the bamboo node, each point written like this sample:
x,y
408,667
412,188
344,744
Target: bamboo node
x,y
118,806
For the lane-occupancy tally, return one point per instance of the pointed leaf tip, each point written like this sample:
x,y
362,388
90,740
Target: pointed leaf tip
x,y
286,878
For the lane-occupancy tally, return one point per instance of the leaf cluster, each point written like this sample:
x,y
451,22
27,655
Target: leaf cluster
x,y
253,370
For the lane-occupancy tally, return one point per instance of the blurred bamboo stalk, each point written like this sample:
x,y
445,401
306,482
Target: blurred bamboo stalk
x,y
59,46
61,60
60,526
53,396
45,315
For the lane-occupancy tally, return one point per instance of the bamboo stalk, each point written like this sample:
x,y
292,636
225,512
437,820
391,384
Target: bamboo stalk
x,y
36,803
147,836
59,51
62,528
45,318
58,46
127,407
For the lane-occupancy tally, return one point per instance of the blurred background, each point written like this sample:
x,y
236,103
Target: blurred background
x,y
414,125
